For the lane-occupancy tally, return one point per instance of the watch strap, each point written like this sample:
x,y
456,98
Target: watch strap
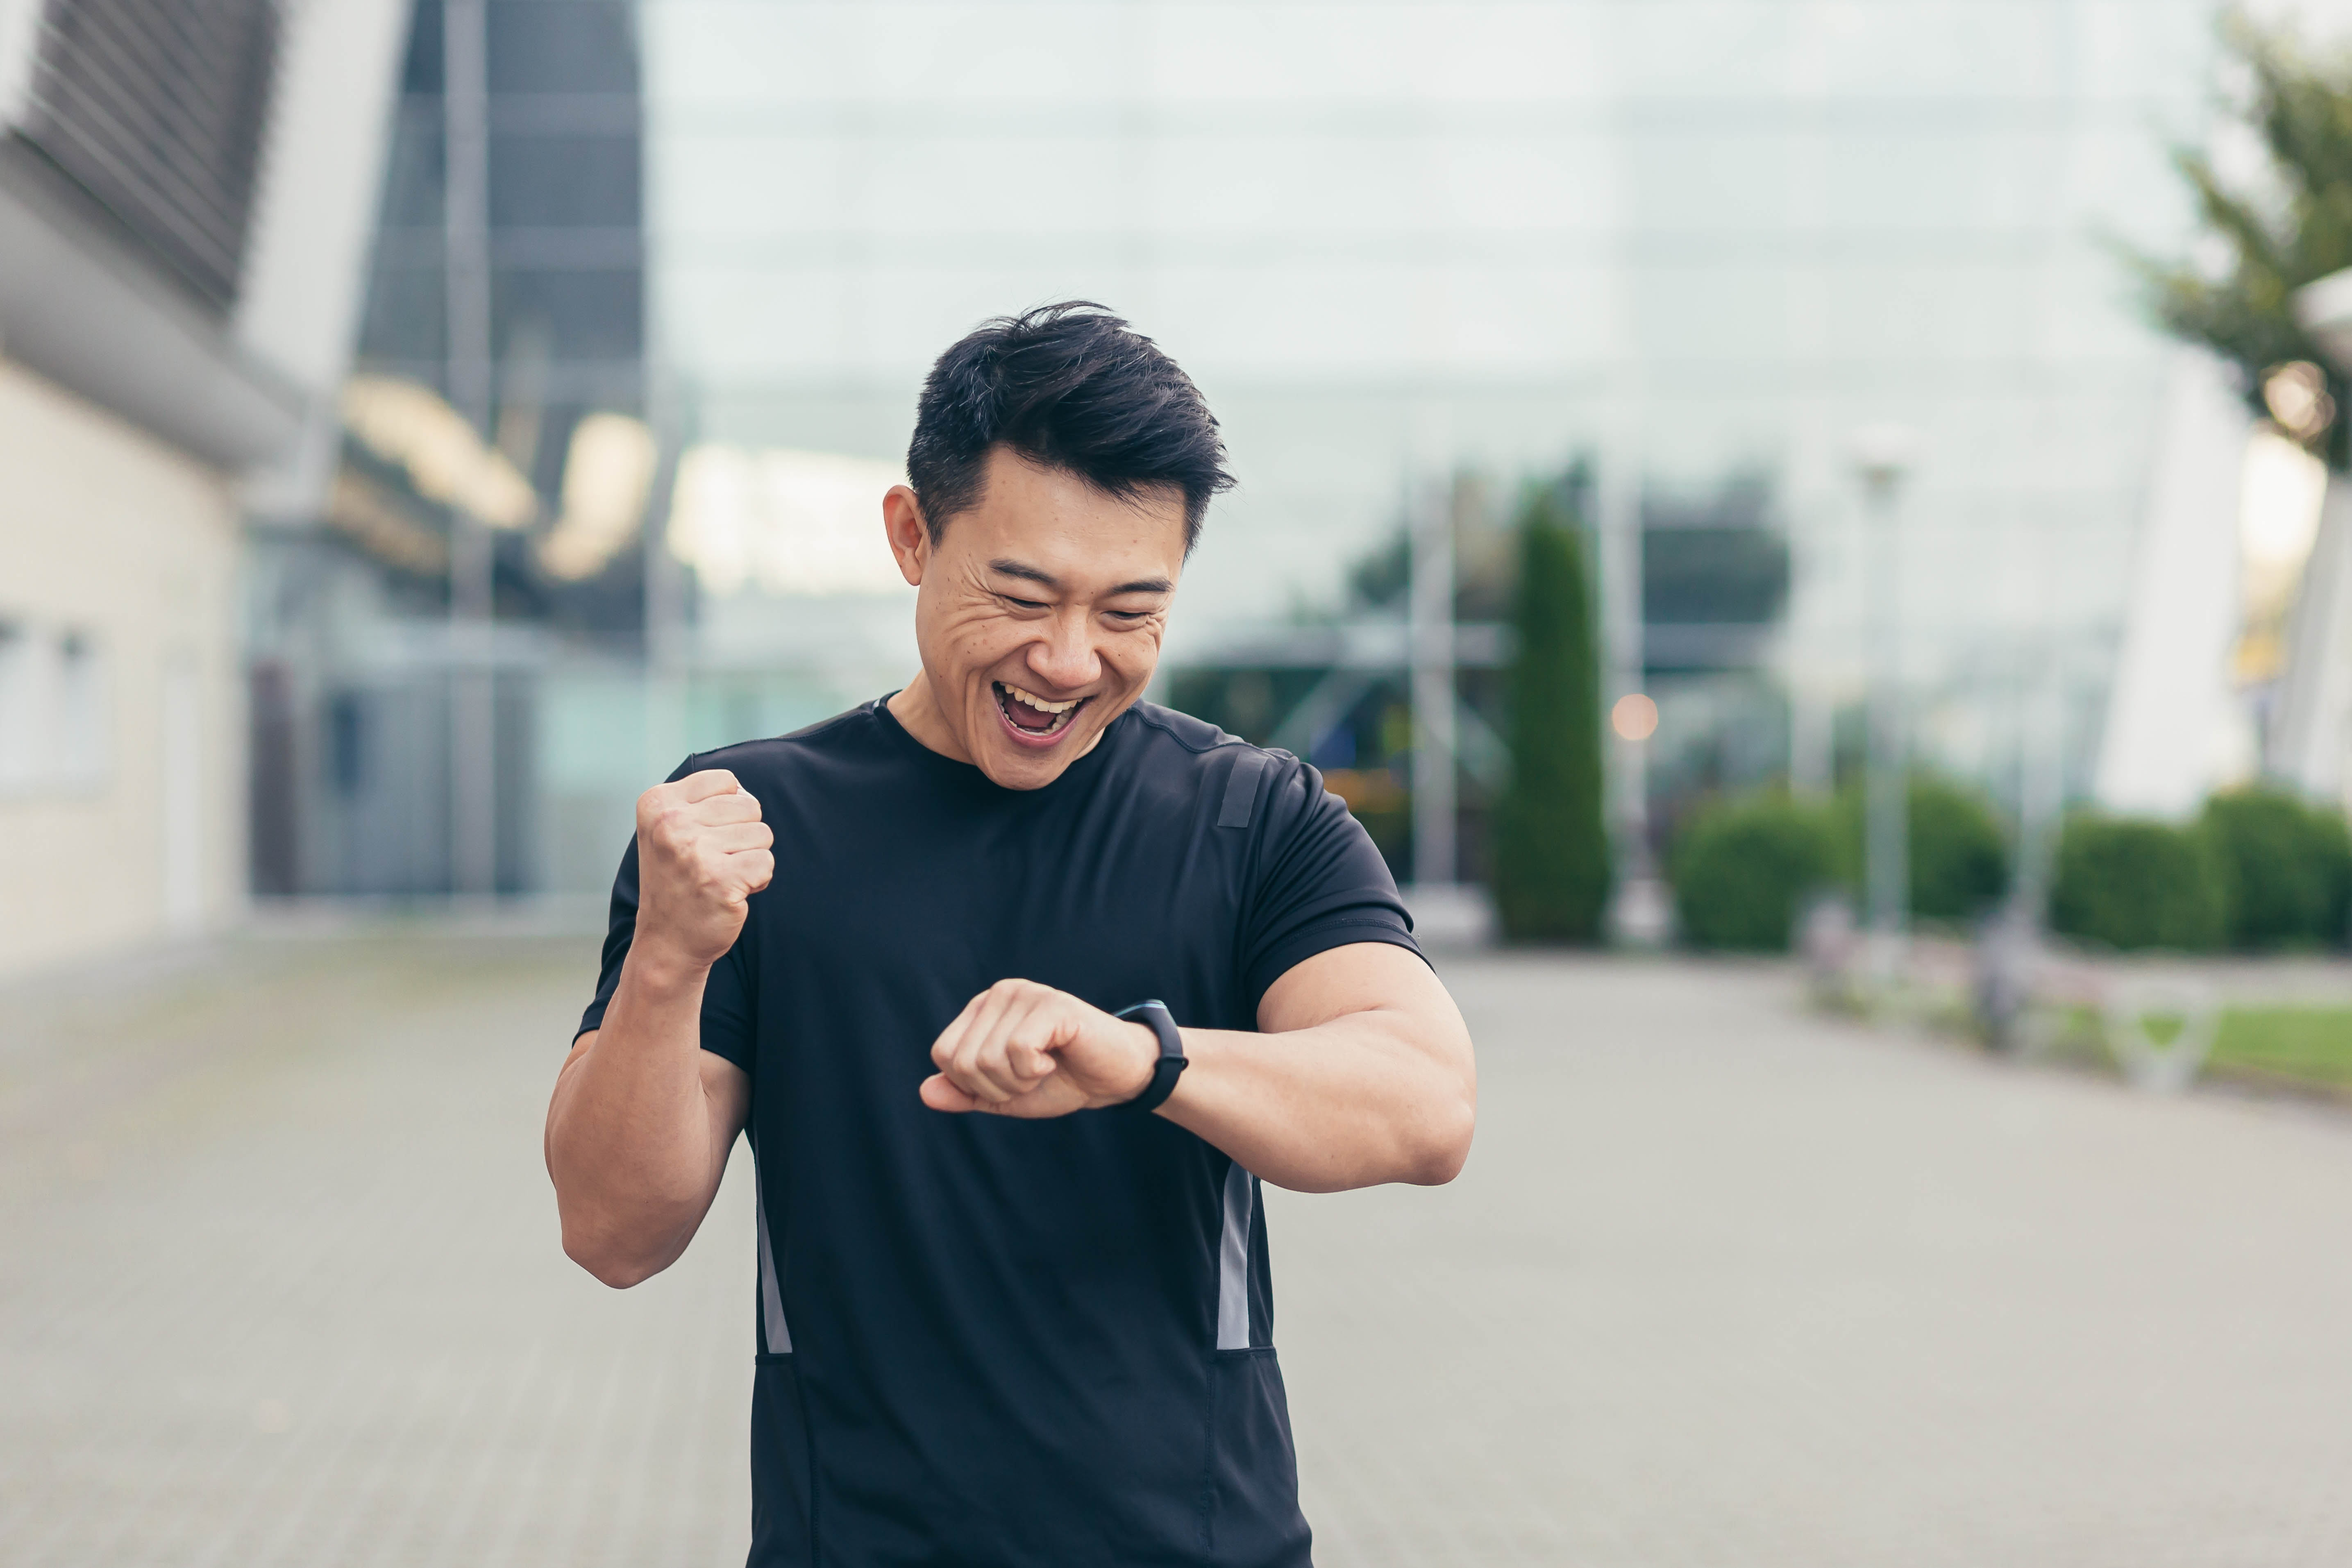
x,y
1154,1015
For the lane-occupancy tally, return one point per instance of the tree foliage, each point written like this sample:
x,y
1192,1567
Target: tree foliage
x,y
1550,845
2276,239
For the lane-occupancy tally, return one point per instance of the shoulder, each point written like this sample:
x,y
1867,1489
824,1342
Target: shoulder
x,y
1165,741
843,736
1177,735
1244,785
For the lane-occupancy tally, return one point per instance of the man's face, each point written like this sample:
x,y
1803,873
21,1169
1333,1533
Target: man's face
x,y
1040,613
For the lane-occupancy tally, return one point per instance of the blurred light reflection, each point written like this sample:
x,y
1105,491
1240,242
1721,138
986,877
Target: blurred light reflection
x,y
791,521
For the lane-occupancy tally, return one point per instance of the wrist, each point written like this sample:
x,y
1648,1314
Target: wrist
x,y
662,968
1144,1064
1167,1061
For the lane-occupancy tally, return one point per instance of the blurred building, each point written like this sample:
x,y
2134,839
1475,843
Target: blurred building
x,y
461,590
175,242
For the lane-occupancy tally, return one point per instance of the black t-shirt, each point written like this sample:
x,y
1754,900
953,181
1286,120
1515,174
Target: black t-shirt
x,y
992,1341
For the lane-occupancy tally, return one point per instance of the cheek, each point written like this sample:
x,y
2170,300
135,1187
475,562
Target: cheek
x,y
1133,655
974,639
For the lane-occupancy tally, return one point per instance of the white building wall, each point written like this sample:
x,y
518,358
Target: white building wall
x,y
20,28
122,770
2176,727
306,257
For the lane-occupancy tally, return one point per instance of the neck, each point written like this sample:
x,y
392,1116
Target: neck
x,y
917,713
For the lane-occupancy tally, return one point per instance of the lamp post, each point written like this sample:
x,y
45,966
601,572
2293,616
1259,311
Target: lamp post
x,y
466,213
1430,622
1883,456
1640,908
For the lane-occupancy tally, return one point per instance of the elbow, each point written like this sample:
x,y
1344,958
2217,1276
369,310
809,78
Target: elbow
x,y
1443,1146
611,1259
609,1266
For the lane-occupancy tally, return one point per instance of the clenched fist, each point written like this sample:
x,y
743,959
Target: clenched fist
x,y
702,851
1020,1048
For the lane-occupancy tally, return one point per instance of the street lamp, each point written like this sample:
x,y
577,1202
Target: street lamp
x,y
1882,456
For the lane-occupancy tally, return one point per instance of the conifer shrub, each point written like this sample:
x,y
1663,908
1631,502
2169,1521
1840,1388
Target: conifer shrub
x,y
1550,845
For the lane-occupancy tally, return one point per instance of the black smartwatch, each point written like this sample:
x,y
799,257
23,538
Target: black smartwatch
x,y
1172,1062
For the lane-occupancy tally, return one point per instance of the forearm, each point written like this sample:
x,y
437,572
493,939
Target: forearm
x,y
630,1140
1366,1098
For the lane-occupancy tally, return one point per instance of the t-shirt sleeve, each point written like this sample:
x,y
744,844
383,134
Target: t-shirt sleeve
x,y
1320,883
726,995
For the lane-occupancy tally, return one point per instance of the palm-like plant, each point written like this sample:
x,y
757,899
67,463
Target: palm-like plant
x,y
2277,241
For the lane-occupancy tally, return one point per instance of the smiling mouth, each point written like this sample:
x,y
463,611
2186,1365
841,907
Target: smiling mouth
x,y
1035,717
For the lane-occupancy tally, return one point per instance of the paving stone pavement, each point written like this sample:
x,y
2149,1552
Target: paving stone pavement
x,y
1725,1284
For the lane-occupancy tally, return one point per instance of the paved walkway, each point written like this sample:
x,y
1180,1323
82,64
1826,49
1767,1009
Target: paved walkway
x,y
1725,1284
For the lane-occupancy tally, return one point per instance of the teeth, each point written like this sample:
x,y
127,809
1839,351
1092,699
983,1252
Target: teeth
x,y
1039,703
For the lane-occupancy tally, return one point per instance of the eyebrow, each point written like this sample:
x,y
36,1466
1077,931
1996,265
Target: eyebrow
x,y
1044,579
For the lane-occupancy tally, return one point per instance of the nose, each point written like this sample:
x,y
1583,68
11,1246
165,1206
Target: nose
x,y
1065,657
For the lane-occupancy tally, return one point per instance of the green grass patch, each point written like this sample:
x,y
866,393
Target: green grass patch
x,y
2312,1044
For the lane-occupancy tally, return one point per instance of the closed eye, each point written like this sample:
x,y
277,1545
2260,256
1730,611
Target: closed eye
x,y
1023,603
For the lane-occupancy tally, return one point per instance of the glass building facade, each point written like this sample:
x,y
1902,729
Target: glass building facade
x,y
1696,243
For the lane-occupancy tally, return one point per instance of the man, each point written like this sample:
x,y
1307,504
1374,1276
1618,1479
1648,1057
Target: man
x,y
1014,1305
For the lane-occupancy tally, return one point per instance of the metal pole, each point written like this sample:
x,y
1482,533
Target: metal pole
x,y
1811,721
1431,630
1620,535
666,632
2041,782
466,258
1886,837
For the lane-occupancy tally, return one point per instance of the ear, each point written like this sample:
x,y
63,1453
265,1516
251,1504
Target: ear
x,y
910,542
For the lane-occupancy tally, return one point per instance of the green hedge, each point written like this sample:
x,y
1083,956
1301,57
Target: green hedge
x,y
1960,853
2285,865
2130,883
1744,866
2260,870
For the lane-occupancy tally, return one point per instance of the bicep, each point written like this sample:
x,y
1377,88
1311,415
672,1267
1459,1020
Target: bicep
x,y
1368,977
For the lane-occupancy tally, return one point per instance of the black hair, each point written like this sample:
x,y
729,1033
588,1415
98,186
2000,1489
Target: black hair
x,y
1067,386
